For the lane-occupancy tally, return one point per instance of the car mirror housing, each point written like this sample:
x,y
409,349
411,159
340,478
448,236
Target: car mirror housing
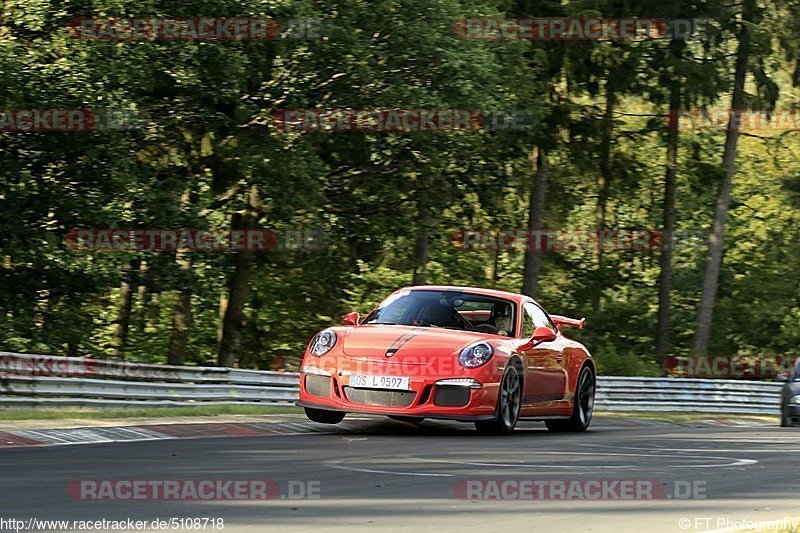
x,y
542,334
351,319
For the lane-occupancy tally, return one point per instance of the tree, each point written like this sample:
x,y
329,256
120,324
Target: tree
x,y
747,37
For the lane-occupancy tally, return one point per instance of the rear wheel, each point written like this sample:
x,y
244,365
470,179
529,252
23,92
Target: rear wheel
x,y
509,400
323,416
583,408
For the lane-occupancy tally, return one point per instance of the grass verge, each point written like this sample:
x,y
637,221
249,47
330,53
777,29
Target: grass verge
x,y
684,416
153,412
212,410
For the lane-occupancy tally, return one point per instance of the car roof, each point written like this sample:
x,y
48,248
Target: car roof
x,y
474,290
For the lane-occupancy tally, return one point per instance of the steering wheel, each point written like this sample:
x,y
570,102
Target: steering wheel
x,y
486,328
466,323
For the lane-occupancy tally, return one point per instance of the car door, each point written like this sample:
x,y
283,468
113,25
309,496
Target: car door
x,y
545,375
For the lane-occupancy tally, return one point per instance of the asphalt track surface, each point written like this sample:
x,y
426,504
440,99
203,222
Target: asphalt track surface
x,y
378,474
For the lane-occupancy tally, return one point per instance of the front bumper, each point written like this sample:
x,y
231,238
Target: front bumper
x,y
447,416
792,412
327,387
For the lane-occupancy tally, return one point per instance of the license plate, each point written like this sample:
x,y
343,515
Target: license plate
x,y
379,382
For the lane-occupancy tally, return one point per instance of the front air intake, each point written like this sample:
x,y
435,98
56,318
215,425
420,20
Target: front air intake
x,y
388,398
318,385
450,396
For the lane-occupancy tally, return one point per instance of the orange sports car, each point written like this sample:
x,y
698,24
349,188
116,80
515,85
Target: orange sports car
x,y
459,353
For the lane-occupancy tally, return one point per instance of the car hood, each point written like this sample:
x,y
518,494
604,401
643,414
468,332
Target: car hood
x,y
406,343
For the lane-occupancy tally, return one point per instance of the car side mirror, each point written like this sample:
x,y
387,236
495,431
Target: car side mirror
x,y
543,334
783,377
351,319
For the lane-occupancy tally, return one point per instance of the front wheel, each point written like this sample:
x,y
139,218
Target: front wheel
x,y
509,400
583,408
323,416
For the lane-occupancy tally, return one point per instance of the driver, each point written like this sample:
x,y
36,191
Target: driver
x,y
440,314
501,317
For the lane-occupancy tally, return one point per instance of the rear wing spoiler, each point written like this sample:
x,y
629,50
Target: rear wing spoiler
x,y
564,321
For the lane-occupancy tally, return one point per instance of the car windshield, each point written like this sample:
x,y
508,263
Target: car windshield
x,y
455,310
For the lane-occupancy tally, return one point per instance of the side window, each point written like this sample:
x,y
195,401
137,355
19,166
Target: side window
x,y
527,321
534,318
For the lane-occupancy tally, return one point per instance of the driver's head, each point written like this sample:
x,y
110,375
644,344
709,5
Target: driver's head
x,y
501,316
439,313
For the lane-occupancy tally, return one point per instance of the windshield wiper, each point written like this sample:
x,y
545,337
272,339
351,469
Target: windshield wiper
x,y
425,325
429,325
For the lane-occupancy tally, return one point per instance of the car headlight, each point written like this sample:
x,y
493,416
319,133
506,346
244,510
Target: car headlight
x,y
322,342
475,355
795,399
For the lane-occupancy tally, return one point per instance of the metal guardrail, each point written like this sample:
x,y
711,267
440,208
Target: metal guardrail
x,y
48,381
49,365
28,380
687,394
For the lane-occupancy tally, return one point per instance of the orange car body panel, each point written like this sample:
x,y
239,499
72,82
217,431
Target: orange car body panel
x,y
426,355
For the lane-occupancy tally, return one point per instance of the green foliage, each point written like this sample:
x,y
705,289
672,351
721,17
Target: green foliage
x,y
206,141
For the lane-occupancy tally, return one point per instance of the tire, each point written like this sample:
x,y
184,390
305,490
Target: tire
x,y
509,401
583,408
409,419
785,421
324,416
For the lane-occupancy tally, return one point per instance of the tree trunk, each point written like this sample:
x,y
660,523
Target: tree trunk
x,y
668,230
182,319
423,231
182,316
233,320
223,307
536,207
126,289
715,246
492,266
421,250
182,304
603,187
143,298
238,286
